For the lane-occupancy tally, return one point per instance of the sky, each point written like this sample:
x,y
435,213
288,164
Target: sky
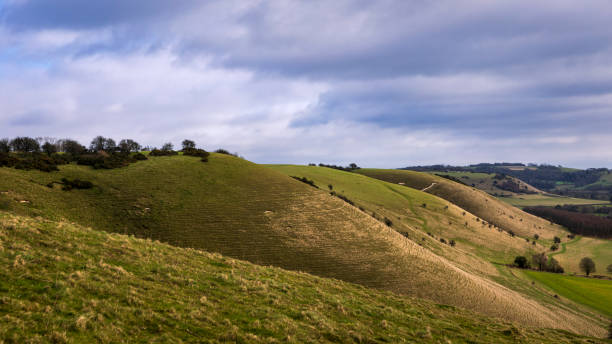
x,y
378,83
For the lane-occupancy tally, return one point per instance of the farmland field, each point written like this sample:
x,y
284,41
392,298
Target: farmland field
x,y
547,200
595,293
599,250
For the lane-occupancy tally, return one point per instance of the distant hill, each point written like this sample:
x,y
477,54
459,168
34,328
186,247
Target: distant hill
x,y
63,283
593,183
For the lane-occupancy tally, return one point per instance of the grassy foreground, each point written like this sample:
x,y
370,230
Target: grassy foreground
x,y
592,292
63,283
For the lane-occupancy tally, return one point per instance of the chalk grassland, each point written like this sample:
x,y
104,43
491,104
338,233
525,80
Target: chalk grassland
x,y
547,200
476,244
592,292
246,211
473,200
415,214
66,284
599,250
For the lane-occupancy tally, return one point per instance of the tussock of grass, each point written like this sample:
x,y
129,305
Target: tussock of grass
x,y
63,283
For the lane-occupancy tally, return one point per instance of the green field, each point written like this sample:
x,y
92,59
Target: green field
x,y
599,250
547,200
594,293
62,283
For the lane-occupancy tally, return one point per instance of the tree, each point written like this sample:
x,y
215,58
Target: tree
x,y
109,145
587,265
49,148
24,144
609,268
557,240
188,144
353,166
128,145
72,147
539,260
554,266
4,146
521,262
536,236
168,146
97,144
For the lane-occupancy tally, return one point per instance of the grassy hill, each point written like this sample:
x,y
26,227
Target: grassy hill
x,y
250,212
63,283
473,200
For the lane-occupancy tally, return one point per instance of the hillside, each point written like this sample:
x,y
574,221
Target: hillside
x,y
63,283
246,211
473,200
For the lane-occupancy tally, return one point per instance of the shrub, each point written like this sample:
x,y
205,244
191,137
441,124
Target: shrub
x,y
344,198
442,240
157,152
330,187
557,240
139,157
554,247
511,232
388,222
197,152
452,243
521,262
536,236
305,181
75,184
609,268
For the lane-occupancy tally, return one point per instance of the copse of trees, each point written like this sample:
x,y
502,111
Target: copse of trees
x,y
128,145
351,167
578,223
540,262
24,144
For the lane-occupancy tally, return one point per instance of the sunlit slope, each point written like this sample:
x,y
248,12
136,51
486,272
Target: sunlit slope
x,y
62,283
475,201
422,217
250,212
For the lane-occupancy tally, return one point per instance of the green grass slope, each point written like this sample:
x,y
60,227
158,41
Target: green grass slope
x,y
595,293
62,283
250,212
473,200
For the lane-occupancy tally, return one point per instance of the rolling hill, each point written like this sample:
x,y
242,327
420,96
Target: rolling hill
x,y
473,200
246,211
63,283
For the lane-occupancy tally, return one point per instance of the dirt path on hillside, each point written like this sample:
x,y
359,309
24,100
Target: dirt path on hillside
x,y
429,187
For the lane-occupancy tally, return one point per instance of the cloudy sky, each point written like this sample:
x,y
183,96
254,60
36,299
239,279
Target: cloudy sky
x,y
379,83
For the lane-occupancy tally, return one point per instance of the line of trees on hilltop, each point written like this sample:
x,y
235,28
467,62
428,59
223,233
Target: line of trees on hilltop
x,y
579,223
45,153
351,167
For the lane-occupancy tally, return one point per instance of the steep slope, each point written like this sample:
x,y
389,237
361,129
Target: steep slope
x,y
475,201
63,283
246,211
